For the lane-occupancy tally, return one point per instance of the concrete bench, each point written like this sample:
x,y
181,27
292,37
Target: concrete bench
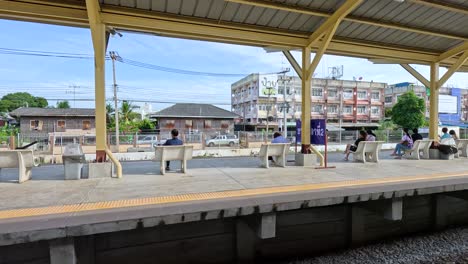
x,y
22,159
168,153
276,150
367,150
462,146
423,146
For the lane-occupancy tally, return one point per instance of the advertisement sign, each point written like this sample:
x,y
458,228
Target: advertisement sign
x,y
448,104
317,131
268,84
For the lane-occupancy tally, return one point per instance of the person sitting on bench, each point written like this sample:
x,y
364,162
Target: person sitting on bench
x,y
173,142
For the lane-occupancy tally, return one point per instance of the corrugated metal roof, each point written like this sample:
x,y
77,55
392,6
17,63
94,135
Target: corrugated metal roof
x,y
428,27
407,14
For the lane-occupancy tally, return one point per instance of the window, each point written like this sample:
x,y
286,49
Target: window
x,y
317,91
347,109
317,108
225,124
61,125
207,124
86,125
188,123
348,94
169,124
332,93
332,108
362,94
375,95
361,109
388,99
375,110
299,108
280,90
35,125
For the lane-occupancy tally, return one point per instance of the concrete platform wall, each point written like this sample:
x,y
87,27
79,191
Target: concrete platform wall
x,y
296,233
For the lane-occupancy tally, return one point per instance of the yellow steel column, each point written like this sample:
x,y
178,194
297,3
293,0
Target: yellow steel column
x,y
306,85
98,34
434,102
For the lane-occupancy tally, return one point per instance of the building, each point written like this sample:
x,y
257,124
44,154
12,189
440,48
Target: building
x,y
78,121
453,102
189,118
257,97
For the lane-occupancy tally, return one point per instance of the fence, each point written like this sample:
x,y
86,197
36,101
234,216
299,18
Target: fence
x,y
149,140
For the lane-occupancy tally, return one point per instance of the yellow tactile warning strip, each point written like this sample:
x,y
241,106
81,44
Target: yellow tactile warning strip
x,y
75,208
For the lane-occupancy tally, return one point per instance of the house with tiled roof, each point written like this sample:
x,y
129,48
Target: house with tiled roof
x,y
188,117
34,120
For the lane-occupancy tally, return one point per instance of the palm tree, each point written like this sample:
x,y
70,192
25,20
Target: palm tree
x,y
126,112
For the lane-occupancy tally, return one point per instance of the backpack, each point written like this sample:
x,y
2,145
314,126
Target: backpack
x,y
446,149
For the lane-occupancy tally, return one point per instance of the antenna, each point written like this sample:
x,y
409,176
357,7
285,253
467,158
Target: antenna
x,y
335,73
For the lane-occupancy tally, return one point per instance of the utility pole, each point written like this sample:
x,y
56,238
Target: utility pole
x,y
268,111
74,93
114,56
283,80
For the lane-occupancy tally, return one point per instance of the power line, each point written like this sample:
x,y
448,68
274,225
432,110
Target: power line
x,y
137,100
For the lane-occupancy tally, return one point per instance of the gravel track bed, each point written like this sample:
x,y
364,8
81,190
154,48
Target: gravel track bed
x,y
448,247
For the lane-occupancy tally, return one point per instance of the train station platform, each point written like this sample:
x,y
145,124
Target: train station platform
x,y
218,198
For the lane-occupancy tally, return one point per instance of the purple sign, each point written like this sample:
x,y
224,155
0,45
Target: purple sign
x,y
317,131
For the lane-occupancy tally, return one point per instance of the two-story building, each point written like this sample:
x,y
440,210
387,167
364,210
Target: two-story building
x,y
257,97
77,121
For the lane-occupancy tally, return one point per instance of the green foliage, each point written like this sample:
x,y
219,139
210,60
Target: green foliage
x,y
13,101
388,112
409,111
146,124
64,104
126,112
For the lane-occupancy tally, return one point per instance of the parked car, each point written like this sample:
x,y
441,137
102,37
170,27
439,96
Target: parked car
x,y
218,140
150,140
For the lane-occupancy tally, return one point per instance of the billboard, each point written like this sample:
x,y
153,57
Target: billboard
x,y
268,85
448,104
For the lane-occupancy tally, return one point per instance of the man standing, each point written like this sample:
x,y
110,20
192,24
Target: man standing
x,y
172,142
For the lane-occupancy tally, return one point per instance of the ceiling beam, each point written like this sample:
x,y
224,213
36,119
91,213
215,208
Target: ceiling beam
x,y
416,75
333,21
297,68
444,6
452,52
207,30
463,58
350,18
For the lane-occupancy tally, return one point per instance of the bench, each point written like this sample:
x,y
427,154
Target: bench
x,y
368,150
418,146
168,153
276,150
462,146
22,159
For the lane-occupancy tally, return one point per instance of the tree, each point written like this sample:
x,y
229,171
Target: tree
x,y
126,112
13,101
409,111
64,104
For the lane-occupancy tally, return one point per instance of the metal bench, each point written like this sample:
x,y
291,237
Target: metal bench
x,y
276,150
23,159
169,153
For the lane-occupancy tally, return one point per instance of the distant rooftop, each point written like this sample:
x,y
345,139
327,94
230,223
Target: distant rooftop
x,y
195,111
36,111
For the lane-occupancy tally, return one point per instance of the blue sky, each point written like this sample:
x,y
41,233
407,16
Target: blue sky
x,y
54,77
